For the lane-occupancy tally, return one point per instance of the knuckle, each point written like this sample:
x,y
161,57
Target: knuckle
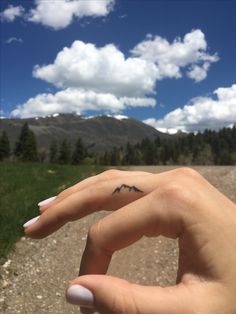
x,y
123,302
95,236
181,186
186,172
117,304
61,217
67,191
94,199
111,174
177,191
93,233
97,240
172,190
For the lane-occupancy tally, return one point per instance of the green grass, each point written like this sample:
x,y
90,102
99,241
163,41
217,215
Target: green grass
x,y
23,185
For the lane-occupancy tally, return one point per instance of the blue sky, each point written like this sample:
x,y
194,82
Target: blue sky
x,y
171,64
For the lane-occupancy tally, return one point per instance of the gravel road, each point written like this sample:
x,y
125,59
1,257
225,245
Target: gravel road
x,y
34,277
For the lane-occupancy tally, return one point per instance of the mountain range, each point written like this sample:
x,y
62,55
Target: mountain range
x,y
99,133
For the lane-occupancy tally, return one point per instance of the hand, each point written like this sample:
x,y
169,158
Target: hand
x,y
177,204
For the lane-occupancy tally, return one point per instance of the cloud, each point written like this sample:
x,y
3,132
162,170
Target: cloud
x,y
107,69
213,112
99,71
76,100
198,73
14,39
60,14
171,57
11,13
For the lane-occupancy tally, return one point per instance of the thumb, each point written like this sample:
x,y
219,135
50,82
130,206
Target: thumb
x,y
111,295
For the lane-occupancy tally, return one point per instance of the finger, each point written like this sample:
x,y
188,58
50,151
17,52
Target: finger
x,y
104,176
107,195
151,215
107,294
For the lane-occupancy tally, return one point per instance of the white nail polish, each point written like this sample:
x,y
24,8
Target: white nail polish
x,y
31,222
47,201
79,295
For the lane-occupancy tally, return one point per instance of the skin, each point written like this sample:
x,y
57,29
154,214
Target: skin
x,y
178,204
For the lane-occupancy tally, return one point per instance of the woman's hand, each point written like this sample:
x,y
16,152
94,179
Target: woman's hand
x,y
177,204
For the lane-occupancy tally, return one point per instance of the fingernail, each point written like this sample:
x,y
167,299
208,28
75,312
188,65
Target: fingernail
x,y
47,201
79,295
30,222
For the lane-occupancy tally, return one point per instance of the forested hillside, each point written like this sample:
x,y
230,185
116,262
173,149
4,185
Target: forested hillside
x,y
207,148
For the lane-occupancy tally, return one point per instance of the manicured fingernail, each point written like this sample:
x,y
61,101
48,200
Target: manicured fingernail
x,y
30,222
47,201
79,295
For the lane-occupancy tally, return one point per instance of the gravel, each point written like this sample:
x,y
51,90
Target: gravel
x,y
34,277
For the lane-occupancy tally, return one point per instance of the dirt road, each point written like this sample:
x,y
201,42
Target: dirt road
x,y
33,279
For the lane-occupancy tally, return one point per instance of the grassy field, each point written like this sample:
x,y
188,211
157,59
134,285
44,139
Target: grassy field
x,y
22,186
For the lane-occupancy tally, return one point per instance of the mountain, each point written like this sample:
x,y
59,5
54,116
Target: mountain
x,y
98,133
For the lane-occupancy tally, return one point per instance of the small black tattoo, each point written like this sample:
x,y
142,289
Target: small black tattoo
x,y
125,186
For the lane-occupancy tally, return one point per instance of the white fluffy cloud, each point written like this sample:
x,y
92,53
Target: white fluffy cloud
x,y
198,73
203,112
60,14
76,100
101,69
11,13
171,57
129,81
106,68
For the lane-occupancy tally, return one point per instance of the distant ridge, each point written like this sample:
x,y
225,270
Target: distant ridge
x,y
99,133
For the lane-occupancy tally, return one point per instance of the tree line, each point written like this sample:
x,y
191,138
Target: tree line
x,y
26,149
207,148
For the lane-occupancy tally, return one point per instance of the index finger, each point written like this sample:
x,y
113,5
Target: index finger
x,y
110,174
105,195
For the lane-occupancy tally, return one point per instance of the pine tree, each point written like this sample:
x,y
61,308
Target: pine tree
x,y
129,153
114,160
116,156
53,152
64,152
107,158
26,146
30,150
79,153
205,156
4,146
19,146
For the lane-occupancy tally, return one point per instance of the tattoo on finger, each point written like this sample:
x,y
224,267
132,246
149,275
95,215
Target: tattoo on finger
x,y
127,187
